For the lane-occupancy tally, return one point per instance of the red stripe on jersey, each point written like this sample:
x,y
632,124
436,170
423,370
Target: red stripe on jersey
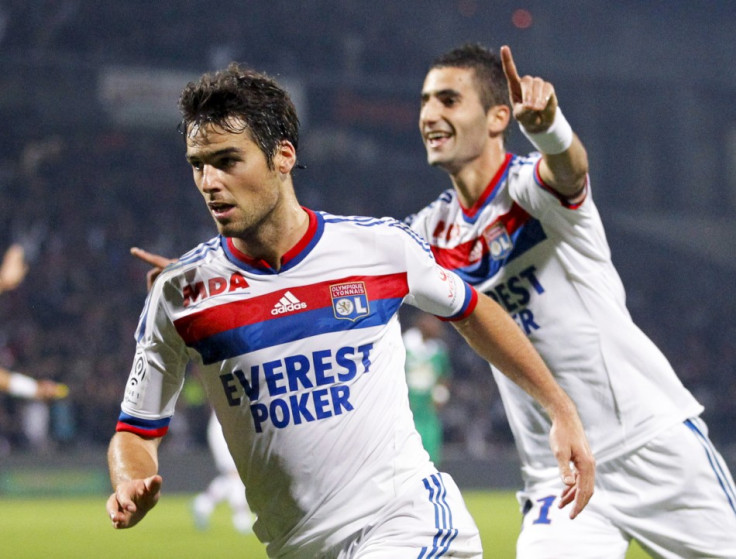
x,y
469,307
160,432
470,212
288,255
208,322
459,256
564,200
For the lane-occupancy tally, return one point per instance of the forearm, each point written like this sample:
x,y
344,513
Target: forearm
x,y
564,165
494,335
566,172
131,456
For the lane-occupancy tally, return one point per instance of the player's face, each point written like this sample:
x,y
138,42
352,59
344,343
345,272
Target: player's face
x,y
232,174
452,120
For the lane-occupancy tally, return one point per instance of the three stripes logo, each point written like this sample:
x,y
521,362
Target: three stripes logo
x,y
446,530
287,303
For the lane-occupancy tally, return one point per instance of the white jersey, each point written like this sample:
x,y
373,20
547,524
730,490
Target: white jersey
x,y
549,265
304,368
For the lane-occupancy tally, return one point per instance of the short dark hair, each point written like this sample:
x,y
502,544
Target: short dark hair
x,y
489,76
238,99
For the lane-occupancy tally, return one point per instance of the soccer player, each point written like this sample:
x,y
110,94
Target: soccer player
x,y
292,316
227,485
525,230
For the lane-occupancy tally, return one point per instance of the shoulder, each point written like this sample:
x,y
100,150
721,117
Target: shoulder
x,y
201,252
361,224
523,165
520,161
187,263
386,231
440,206
353,221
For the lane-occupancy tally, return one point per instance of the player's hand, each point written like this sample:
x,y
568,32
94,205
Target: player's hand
x,y
533,99
50,390
13,268
157,262
576,463
132,500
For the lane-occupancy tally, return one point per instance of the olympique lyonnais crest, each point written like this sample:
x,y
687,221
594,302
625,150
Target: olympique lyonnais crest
x,y
498,241
349,300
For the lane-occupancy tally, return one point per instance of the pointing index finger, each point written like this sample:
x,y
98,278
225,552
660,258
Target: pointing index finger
x,y
150,258
512,76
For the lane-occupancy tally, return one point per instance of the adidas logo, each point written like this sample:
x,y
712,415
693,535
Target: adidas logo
x,y
287,303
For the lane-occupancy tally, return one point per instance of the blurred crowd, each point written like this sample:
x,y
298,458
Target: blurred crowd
x,y
77,192
78,202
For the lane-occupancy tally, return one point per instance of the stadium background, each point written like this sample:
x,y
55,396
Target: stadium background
x,y
92,164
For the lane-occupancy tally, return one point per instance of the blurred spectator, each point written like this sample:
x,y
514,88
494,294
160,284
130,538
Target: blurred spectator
x,y
76,191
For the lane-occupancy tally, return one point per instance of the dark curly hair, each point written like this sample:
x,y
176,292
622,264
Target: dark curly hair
x,y
238,99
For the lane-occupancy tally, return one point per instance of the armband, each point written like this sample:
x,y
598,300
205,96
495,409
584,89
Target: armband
x,y
22,386
556,139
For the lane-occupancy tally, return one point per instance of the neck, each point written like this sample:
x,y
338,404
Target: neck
x,y
472,179
276,236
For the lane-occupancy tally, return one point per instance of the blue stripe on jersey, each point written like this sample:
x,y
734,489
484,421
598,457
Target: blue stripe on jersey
x,y
200,251
292,257
524,239
289,328
365,221
478,211
716,463
141,424
445,534
374,221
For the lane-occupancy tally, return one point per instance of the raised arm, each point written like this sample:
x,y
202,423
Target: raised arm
x,y
133,463
564,165
493,334
13,268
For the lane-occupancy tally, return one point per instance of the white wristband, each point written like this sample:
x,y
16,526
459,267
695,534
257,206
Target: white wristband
x,y
22,386
556,139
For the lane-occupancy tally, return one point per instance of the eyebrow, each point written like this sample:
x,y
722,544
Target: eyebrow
x,y
448,92
213,154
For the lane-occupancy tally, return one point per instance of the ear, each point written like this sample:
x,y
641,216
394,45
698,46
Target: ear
x,y
285,157
497,119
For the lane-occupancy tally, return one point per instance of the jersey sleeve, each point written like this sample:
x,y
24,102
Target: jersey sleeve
x,y
578,225
157,375
433,288
533,194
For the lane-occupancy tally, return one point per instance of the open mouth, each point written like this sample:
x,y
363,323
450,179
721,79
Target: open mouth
x,y
220,209
436,138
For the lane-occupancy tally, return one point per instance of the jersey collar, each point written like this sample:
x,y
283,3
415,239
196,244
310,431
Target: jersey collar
x,y
291,258
472,213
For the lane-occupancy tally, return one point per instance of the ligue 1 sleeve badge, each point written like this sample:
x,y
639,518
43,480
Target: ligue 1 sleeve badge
x,y
349,300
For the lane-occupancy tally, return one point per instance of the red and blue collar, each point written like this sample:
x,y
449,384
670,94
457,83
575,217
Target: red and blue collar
x,y
291,257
